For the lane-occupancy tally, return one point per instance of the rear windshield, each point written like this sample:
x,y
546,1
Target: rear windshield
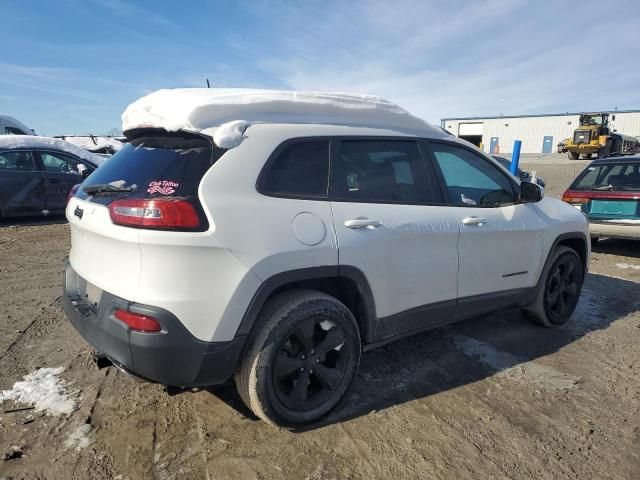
x,y
156,165
620,176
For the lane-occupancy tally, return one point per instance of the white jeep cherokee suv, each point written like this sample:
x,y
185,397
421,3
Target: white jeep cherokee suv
x,y
279,246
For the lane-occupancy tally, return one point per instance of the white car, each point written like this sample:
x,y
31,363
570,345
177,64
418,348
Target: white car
x,y
274,236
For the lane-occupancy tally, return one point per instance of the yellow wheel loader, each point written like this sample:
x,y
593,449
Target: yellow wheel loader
x,y
594,135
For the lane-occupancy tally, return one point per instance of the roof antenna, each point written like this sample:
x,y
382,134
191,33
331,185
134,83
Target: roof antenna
x,y
208,86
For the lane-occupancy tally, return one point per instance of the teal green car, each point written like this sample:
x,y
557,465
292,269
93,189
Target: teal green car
x,y
608,193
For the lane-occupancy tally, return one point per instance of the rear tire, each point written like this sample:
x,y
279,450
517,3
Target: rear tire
x,y
559,289
302,359
573,155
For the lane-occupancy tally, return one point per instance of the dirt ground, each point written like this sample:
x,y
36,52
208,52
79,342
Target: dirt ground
x,y
486,398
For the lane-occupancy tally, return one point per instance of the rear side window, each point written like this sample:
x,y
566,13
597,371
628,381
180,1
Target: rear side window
x,y
301,169
17,161
609,177
381,171
167,165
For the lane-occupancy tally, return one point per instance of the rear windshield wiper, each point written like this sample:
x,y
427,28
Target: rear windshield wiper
x,y
106,188
603,187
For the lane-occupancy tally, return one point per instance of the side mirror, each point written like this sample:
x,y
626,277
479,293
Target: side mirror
x,y
530,192
83,170
524,176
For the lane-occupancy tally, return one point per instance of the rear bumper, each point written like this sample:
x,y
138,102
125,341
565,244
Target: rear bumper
x,y
171,357
614,230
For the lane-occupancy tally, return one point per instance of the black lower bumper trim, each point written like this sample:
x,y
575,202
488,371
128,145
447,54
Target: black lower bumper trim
x,y
171,357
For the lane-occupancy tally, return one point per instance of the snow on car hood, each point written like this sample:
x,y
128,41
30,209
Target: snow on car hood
x,y
34,141
197,109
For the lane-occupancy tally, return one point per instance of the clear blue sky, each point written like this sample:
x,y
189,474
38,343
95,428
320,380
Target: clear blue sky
x,y
73,66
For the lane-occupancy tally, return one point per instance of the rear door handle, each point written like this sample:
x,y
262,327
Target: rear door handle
x,y
361,223
52,180
477,221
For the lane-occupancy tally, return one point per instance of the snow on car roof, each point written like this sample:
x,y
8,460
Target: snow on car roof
x,y
33,141
197,109
92,142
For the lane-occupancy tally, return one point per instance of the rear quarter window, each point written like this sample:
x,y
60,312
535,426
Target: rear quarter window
x,y
299,169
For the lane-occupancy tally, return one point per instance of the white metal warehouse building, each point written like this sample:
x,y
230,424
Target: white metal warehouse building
x,y
538,133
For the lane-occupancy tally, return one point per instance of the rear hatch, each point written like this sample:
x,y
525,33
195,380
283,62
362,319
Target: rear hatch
x,y
608,192
150,184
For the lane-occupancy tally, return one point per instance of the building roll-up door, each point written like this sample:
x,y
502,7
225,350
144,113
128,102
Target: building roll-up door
x,y
471,132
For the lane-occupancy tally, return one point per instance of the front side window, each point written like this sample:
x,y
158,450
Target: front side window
x,y
381,171
18,161
59,162
470,179
301,169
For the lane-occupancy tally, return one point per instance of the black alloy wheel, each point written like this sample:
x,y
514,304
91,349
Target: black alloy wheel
x,y
302,358
563,288
311,364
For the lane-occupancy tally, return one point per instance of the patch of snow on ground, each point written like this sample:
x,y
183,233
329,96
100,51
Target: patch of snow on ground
x,y
230,134
511,367
44,390
627,266
78,439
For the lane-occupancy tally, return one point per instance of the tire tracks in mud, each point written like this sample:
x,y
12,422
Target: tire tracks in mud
x,y
27,330
437,412
203,445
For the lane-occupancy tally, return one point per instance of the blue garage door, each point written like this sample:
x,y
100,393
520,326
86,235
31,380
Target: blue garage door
x,y
547,144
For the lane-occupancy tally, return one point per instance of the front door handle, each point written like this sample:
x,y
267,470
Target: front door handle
x,y
361,223
476,221
52,180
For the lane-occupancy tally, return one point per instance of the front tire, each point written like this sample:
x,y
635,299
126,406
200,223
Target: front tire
x,y
302,359
559,289
573,155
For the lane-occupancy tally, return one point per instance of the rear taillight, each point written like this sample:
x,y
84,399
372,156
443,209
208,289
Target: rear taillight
x,y
163,213
575,198
73,191
140,323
